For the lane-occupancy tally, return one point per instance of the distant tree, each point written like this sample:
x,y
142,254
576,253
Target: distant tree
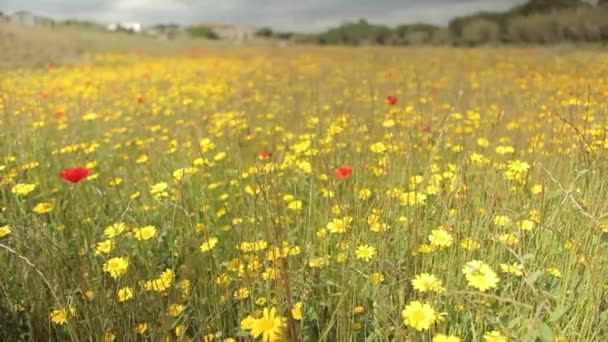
x,y
501,19
602,2
202,31
283,35
545,6
264,32
415,33
356,33
480,31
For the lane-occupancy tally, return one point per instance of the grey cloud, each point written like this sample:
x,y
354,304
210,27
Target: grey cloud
x,y
304,15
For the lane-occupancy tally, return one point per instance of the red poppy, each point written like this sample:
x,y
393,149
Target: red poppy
x,y
426,128
59,113
265,155
344,171
391,100
75,174
140,100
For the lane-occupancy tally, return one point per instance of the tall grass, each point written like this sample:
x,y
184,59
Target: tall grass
x,y
232,156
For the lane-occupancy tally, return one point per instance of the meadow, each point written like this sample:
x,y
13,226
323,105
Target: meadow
x,y
306,194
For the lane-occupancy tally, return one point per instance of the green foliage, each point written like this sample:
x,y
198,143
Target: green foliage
x,y
536,21
583,24
202,31
264,32
545,6
480,31
356,33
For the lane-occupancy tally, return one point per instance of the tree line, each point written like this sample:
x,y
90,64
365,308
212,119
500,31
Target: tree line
x,y
536,22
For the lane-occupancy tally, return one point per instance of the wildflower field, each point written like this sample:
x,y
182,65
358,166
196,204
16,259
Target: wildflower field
x,y
311,194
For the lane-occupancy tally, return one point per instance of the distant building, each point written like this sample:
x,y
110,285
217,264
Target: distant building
x,y
162,31
24,18
231,32
130,26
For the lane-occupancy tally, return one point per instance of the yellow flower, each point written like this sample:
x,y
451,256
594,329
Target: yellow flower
x,y
43,207
508,239
525,225
109,337
241,293
62,316
469,244
142,159
161,283
209,244
179,174
376,278
319,262
554,272
90,116
445,338
141,328
296,311
114,230
358,310
180,330
295,205
339,225
365,252
479,275
378,147
23,189
269,327
364,194
425,282
114,182
144,233
175,310
412,198
440,238
4,231
159,190
514,269
501,220
89,294
537,189
419,316
124,294
104,247
116,266
494,336
185,285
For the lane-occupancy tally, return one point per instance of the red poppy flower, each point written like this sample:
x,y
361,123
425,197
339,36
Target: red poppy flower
x,y
391,100
344,171
265,155
426,128
75,174
59,113
140,100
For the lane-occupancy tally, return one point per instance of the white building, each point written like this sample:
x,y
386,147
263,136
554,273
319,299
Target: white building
x,y
131,26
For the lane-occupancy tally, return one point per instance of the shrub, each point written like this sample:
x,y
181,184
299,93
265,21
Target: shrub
x,y
480,31
202,31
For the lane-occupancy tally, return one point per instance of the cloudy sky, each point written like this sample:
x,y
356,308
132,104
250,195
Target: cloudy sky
x,y
292,15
